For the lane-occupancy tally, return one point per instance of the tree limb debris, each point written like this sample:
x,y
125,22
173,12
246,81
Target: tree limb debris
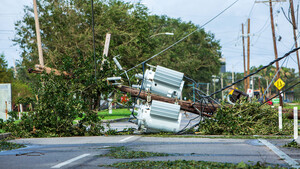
x,y
48,70
188,106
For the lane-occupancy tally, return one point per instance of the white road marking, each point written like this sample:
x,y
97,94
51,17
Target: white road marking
x,y
281,154
70,161
127,138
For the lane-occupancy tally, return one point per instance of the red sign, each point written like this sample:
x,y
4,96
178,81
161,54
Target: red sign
x,y
124,98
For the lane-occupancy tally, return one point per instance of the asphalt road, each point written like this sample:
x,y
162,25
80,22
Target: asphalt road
x,y
82,152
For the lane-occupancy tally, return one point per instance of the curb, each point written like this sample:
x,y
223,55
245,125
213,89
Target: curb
x,y
115,120
4,135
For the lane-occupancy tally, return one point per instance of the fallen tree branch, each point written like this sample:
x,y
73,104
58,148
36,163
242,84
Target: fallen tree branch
x,y
48,70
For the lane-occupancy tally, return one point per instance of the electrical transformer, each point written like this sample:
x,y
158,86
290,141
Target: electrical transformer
x,y
165,82
159,116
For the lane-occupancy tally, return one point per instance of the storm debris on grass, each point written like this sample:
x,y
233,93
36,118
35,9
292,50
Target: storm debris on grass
x,y
245,118
125,153
186,164
4,145
292,144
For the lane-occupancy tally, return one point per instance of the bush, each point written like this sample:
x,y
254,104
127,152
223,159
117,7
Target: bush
x,y
245,118
60,100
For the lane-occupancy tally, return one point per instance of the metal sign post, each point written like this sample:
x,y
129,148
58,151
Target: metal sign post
x,y
5,100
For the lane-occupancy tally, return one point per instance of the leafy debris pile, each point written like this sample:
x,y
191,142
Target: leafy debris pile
x,y
245,118
124,153
186,164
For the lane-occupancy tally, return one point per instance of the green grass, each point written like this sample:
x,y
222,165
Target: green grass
x,y
113,117
4,145
291,106
116,114
185,164
2,131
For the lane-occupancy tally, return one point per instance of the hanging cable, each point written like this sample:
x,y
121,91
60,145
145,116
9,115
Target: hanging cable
x,y
273,78
184,37
142,84
281,92
251,74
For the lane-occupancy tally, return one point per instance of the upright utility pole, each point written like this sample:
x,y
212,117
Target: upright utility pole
x,y
295,31
38,34
222,86
244,56
248,55
15,68
275,46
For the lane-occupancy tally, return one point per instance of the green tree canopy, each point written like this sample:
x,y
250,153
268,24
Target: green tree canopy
x,y
6,75
66,32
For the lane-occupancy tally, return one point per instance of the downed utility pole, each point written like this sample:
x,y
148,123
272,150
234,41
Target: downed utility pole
x,y
185,105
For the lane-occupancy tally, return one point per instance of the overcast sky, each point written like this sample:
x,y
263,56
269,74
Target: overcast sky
x,y
227,27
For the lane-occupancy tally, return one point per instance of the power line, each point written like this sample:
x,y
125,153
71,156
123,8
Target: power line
x,y
183,37
251,74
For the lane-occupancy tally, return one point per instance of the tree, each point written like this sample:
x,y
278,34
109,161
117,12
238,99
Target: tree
x,y
6,75
66,33
197,56
66,29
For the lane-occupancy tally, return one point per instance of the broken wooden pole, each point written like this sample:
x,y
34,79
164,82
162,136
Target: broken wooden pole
x,y
189,106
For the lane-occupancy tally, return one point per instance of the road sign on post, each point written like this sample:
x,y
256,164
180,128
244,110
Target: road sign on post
x,y
279,84
5,100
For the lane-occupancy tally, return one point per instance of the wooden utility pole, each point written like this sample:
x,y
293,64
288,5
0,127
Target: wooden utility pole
x,y
244,56
38,35
295,31
248,55
275,46
185,105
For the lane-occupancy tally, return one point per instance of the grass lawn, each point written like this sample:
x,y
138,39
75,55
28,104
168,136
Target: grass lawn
x,y
116,114
287,106
2,131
